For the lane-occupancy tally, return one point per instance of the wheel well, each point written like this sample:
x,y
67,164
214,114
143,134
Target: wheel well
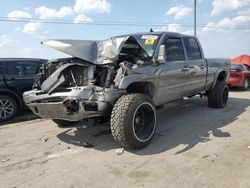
x,y
142,87
10,94
222,76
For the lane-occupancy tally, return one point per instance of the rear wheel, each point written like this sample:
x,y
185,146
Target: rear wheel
x,y
218,96
133,121
8,108
245,84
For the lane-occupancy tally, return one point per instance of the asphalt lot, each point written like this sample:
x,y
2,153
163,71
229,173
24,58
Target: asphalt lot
x,y
194,146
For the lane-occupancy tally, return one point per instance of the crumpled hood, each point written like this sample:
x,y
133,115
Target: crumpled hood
x,y
97,52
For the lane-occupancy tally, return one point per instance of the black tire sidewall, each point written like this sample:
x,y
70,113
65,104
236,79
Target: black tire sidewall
x,y
222,95
130,139
130,128
215,97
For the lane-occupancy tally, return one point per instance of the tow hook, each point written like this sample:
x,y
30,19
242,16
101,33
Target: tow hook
x,y
72,105
90,104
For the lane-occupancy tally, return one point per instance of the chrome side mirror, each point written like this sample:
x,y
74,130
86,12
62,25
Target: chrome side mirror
x,y
162,54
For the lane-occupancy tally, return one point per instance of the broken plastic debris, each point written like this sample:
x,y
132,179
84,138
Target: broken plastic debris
x,y
120,151
210,157
46,139
5,160
87,145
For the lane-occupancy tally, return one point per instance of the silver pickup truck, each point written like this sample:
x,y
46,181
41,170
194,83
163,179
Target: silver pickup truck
x,y
126,78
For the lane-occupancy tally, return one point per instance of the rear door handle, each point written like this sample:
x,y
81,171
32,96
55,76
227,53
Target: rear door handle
x,y
202,66
186,68
11,79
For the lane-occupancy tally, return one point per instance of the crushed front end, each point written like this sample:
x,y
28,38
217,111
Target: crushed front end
x,y
89,83
72,89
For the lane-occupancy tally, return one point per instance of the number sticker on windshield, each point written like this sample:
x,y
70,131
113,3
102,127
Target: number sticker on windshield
x,y
149,41
149,36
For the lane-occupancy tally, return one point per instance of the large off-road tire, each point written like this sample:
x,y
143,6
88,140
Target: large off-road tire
x,y
245,84
8,108
133,120
218,96
64,123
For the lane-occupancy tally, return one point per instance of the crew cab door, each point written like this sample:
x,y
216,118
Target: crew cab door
x,y
173,78
197,65
19,75
2,83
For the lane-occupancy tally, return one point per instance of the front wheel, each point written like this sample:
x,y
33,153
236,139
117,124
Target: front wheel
x,y
8,108
133,121
218,96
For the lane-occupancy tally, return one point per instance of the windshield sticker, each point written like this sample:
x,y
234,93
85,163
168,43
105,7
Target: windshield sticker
x,y
149,36
149,41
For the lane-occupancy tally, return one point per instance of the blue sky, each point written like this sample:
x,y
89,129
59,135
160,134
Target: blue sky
x,y
224,25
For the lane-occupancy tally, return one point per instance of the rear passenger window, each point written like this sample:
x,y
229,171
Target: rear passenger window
x,y
174,50
192,47
20,68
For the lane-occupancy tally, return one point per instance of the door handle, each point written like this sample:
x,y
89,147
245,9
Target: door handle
x,y
11,79
186,68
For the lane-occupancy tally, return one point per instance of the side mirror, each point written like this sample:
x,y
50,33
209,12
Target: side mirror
x,y
162,54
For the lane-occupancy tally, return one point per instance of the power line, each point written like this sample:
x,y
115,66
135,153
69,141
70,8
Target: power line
x,y
112,23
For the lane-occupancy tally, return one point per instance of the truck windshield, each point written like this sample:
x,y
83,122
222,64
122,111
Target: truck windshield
x,y
148,42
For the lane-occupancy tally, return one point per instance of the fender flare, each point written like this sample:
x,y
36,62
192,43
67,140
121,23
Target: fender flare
x,y
216,77
126,81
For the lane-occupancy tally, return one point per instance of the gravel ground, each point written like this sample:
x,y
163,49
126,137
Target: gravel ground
x,y
194,146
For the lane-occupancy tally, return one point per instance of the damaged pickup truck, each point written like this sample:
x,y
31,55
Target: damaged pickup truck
x,y
126,78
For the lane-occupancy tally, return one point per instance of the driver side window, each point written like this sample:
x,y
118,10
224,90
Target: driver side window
x,y
174,50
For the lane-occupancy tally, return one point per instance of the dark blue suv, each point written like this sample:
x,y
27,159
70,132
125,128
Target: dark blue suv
x,y
16,76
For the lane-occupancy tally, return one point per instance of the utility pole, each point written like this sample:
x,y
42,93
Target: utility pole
x,y
195,18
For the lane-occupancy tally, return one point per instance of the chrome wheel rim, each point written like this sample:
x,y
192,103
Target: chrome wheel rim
x,y
246,84
6,108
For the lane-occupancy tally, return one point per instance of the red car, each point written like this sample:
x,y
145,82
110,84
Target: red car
x,y
239,76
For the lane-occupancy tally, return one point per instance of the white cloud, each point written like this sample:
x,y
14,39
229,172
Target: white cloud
x,y
172,28
5,40
244,12
31,28
179,12
238,21
18,14
190,32
210,26
29,51
46,13
234,22
92,6
220,6
17,29
82,18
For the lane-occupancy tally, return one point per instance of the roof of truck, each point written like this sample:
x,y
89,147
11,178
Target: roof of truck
x,y
172,34
22,59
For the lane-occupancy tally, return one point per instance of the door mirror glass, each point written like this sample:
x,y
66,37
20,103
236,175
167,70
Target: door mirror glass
x,y
162,54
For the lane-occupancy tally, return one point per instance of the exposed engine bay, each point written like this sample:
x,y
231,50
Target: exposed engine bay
x,y
81,72
76,88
